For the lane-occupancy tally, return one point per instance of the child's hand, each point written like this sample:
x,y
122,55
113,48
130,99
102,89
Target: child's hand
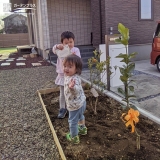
x,y
72,83
60,46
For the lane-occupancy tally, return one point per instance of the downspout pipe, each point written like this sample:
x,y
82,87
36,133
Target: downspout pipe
x,y
31,26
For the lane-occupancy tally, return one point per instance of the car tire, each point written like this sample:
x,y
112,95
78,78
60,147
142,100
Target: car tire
x,y
158,64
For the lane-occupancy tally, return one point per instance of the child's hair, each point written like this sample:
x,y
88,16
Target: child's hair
x,y
74,59
67,34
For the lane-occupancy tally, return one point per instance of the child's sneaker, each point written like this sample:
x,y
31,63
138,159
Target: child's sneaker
x,y
62,113
74,140
82,131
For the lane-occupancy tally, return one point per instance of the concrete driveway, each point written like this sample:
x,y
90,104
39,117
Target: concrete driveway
x,y
146,67
147,87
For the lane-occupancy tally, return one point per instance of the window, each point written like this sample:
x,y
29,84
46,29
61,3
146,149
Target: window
x,y
145,9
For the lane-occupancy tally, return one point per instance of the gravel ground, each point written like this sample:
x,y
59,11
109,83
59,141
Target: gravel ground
x,y
24,130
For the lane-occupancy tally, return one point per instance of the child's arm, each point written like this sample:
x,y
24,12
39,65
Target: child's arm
x,y
77,52
57,46
74,85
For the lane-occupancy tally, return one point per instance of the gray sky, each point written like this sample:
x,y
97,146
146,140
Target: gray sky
x,y
1,5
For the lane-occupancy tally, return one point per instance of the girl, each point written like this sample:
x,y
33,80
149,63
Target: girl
x,y
67,38
75,97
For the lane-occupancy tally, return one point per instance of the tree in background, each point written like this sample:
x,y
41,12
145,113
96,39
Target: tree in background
x,y
14,23
2,22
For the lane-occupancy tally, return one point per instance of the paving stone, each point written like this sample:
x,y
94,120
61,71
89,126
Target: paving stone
x,y
21,59
9,60
20,64
36,64
5,64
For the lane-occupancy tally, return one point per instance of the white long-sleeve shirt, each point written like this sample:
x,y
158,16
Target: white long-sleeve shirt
x,y
75,96
59,65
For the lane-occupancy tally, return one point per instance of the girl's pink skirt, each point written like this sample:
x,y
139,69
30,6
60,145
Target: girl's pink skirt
x,y
60,79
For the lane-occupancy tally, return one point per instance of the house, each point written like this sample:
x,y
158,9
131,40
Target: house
x,y
15,23
91,20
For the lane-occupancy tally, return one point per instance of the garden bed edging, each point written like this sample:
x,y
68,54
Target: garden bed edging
x,y
45,91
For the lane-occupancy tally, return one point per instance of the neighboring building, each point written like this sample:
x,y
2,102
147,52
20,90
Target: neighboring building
x,y
91,20
15,23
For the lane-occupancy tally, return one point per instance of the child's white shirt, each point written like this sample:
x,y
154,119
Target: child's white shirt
x,y
59,65
74,97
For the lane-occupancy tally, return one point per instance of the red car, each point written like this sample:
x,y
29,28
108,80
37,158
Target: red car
x,y
155,54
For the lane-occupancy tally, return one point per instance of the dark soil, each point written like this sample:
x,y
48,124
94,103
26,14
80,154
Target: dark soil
x,y
107,138
28,62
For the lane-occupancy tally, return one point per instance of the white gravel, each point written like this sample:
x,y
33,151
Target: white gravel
x,y
24,130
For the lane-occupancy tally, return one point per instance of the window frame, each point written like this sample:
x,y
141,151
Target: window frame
x,y
152,12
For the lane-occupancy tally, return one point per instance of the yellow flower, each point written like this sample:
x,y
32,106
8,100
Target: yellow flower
x,y
131,118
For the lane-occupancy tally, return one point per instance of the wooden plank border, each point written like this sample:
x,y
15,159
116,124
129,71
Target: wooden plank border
x,y
45,91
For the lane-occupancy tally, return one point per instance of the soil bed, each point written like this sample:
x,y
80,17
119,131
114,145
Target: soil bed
x,y
107,138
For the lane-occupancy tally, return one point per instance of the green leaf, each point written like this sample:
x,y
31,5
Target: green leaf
x,y
130,81
124,42
132,55
134,102
125,60
131,67
121,28
121,91
133,106
121,55
118,40
124,100
123,106
124,66
132,97
122,70
123,78
124,33
131,88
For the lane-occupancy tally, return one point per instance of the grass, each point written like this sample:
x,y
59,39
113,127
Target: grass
x,y
7,51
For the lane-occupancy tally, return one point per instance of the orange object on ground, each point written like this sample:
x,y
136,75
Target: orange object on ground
x,y
131,118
